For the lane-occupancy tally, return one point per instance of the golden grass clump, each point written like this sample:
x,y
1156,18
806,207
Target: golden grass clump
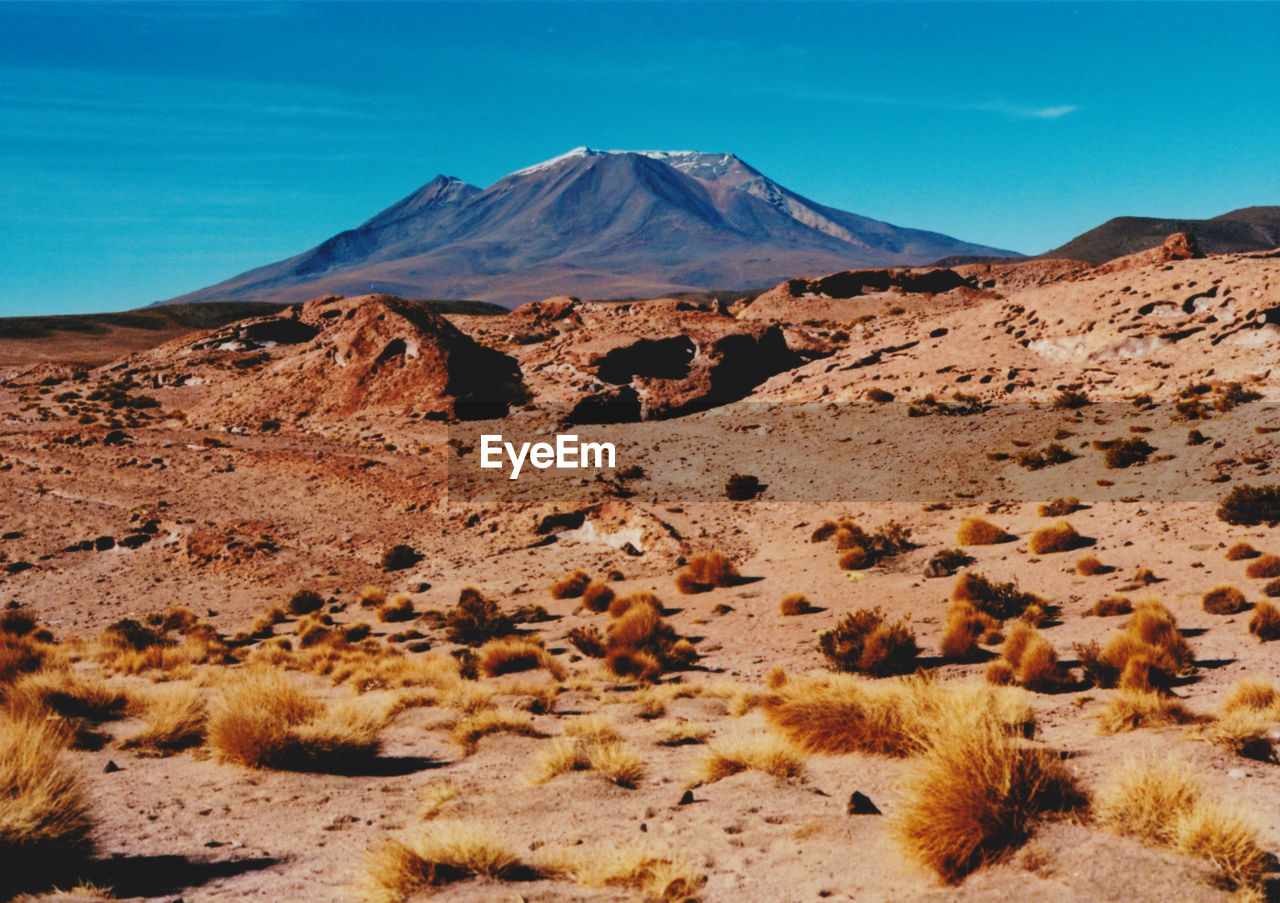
x,y
1090,566
446,852
1060,537
643,598
769,753
1059,507
976,794
175,718
1165,802
1111,606
1245,732
965,628
1224,600
842,714
1242,551
468,732
609,756
570,586
398,607
974,531
438,794
1265,623
680,733
1252,694
794,604
514,654
1146,654
639,644
372,596
649,871
597,596
1032,661
1264,567
263,720
1131,709
705,572
45,827
63,694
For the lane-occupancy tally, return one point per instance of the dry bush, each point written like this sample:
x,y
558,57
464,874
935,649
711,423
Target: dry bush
x,y
1272,589
447,852
1166,803
1224,600
705,572
1000,600
974,531
610,757
507,656
175,720
965,628
1061,537
1265,623
1249,506
622,604
21,655
44,821
1059,507
262,720
63,694
1265,567
1128,452
304,602
587,640
1050,456
1252,694
1131,709
760,752
864,641
1032,662
680,733
639,644
824,531
16,622
398,608
842,714
976,794
1111,606
476,620
1242,551
1090,566
637,664
596,596
1245,732
570,586
468,732
372,596
794,604
651,872
863,550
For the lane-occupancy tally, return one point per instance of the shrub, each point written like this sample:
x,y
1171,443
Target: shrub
x,y
633,663
794,604
1224,600
1272,589
706,571
742,487
175,720
1000,600
863,550
1241,551
1090,566
1146,654
1111,606
622,604
570,586
879,396
44,822
1251,694
587,640
305,601
1070,399
1061,537
475,619
1060,507
1263,568
1251,505
1131,709
761,752
976,794
966,626
398,608
468,732
447,852
824,531
17,622
1121,453
513,654
1052,454
863,641
1265,623
1031,661
948,561
400,557
977,532
372,596
596,596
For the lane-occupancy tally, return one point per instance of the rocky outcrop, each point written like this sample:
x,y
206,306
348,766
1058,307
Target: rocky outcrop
x,y
786,301
1178,246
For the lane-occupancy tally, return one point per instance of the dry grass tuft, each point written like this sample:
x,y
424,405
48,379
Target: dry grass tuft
x,y
1032,661
438,794
44,822
372,596
1264,567
976,794
865,641
680,733
1090,566
514,654
762,752
1224,600
1147,654
794,604
397,608
640,598
1252,694
447,852
974,531
597,596
1131,709
476,620
1245,732
705,572
1111,606
63,694
1059,507
468,732
263,720
651,872
965,628
1000,600
1265,623
1242,551
570,586
175,720
1165,802
1061,537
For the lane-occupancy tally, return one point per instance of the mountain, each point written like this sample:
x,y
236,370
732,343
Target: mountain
x,y
598,224
1247,229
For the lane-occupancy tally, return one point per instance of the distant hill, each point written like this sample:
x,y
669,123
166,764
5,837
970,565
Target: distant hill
x,y
596,224
1247,229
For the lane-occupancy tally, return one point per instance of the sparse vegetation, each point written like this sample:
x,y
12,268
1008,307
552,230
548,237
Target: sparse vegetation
x,y
1029,661
1251,505
1265,623
1090,566
1000,600
1128,452
1038,459
1224,600
400,557
571,586
1061,537
865,641
742,487
596,596
398,608
760,752
974,531
476,620
1148,653
1131,709
514,654
1060,507
705,572
304,602
1242,551
794,604
1110,606
468,732
965,628
1265,567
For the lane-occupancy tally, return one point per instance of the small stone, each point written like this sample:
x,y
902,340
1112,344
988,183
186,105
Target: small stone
x,y
111,767
860,804
686,798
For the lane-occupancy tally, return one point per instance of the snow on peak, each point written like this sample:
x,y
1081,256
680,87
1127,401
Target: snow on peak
x,y
577,152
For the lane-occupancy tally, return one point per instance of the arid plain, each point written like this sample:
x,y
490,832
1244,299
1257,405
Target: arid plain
x,y
266,637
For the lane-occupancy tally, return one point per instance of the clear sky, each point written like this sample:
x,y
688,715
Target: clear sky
x,y
147,150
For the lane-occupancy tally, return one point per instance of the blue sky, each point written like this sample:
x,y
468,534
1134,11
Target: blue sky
x,y
147,150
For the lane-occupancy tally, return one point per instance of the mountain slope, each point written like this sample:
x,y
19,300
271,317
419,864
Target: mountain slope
x,y
601,224
1248,229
